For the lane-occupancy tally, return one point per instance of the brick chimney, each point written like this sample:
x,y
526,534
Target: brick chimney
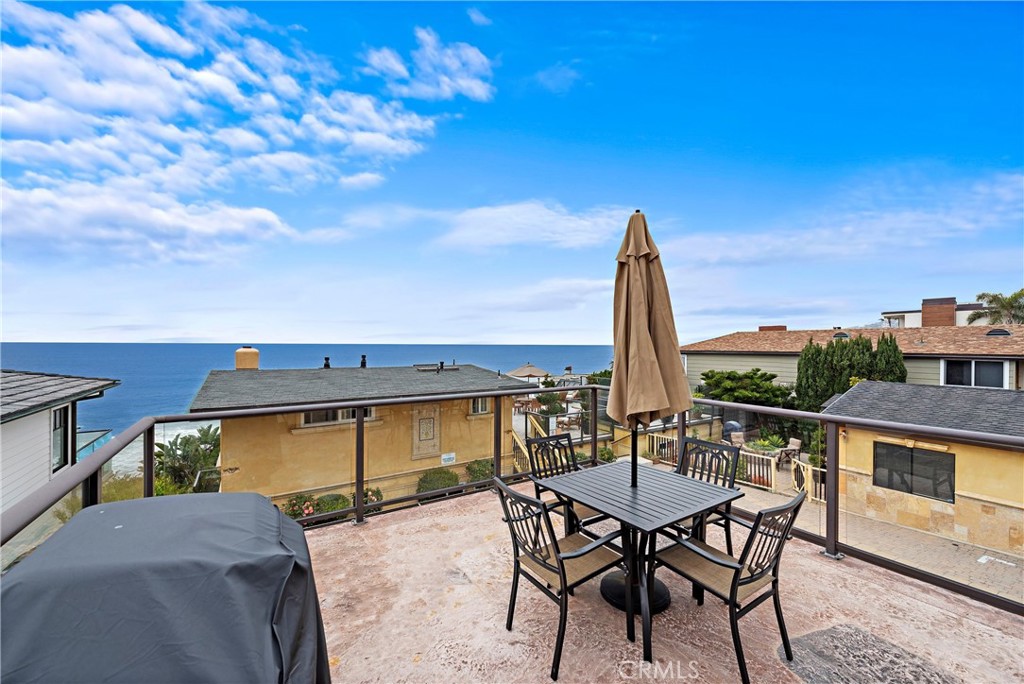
x,y
247,358
770,328
936,312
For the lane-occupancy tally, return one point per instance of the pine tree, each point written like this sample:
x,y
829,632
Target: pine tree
x,y
809,374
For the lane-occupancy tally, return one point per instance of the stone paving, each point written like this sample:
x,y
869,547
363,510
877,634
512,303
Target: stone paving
x,y
419,595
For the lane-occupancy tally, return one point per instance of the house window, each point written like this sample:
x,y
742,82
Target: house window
x,y
60,440
922,472
328,416
972,373
480,405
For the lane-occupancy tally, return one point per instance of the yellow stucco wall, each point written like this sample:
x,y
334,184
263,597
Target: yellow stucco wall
x,y
277,457
988,507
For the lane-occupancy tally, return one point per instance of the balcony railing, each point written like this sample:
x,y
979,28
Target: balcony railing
x,y
85,479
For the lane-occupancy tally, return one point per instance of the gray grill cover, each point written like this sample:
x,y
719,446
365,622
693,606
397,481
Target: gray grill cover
x,y
193,588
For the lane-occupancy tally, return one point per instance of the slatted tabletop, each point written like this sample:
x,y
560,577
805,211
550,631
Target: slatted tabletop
x,y
660,498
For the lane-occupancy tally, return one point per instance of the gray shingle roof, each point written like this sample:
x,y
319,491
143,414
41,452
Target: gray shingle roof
x,y
236,389
962,408
23,393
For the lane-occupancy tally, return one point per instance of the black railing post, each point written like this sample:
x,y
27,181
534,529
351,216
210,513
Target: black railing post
x,y
499,405
593,426
832,491
92,490
148,461
360,466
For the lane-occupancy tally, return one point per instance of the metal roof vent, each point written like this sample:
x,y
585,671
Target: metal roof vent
x,y
841,336
998,332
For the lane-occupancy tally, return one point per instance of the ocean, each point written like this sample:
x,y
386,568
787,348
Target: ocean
x,y
162,379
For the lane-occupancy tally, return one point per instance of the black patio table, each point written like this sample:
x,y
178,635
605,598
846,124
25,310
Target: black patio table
x,y
660,498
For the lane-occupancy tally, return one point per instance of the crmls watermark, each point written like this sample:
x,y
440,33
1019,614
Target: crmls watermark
x,y
672,669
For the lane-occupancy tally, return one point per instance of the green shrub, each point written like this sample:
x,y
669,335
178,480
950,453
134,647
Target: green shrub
x,y
480,469
436,478
606,455
331,502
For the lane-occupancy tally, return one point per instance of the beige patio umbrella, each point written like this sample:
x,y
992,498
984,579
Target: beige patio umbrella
x,y
648,381
529,371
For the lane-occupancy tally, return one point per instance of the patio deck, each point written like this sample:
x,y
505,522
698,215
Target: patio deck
x,y
420,595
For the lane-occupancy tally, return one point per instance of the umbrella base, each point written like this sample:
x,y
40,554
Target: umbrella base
x,y
613,589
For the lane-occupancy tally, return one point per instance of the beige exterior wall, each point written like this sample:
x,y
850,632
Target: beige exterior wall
x,y
277,457
988,507
922,371
783,365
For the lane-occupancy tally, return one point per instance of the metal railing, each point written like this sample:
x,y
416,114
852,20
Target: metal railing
x,y
87,474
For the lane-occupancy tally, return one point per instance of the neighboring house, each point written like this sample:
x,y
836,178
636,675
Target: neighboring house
x,y
981,356
290,453
933,312
38,415
968,492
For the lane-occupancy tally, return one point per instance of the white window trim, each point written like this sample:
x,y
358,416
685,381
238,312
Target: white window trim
x,y
1006,372
473,405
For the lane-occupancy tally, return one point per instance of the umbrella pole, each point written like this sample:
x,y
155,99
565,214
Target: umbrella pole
x,y
633,458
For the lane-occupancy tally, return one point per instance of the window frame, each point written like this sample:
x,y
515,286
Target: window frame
x,y
911,452
474,409
973,372
60,421
341,416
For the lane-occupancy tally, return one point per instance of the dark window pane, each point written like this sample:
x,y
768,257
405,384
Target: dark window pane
x,y
958,372
988,373
324,416
892,467
59,443
933,474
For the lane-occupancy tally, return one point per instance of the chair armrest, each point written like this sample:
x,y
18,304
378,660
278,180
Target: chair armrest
x,y
707,556
597,543
732,518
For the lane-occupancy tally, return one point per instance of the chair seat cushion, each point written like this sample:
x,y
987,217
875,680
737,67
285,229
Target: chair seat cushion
x,y
576,569
714,577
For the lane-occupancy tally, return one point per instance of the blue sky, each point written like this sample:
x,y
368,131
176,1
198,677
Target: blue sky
x,y
463,173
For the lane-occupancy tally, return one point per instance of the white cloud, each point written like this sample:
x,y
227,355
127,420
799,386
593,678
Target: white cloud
x,y
384,62
559,79
440,72
129,104
873,219
531,222
241,140
478,17
361,181
139,225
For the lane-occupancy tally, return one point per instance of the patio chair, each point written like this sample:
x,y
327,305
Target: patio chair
x,y
789,452
555,566
555,455
738,581
714,463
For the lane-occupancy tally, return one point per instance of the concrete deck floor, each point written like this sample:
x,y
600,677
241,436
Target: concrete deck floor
x,y
420,595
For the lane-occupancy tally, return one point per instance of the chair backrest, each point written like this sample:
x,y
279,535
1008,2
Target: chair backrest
x,y
764,546
794,443
530,527
714,463
552,455
737,438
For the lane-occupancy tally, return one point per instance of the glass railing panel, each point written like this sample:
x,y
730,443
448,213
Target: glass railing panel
x,y
40,529
940,506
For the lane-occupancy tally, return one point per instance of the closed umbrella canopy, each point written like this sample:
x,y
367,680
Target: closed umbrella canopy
x,y
648,381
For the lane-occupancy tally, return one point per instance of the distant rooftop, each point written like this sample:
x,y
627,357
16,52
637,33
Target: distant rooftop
x,y
250,388
23,393
944,406
948,340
